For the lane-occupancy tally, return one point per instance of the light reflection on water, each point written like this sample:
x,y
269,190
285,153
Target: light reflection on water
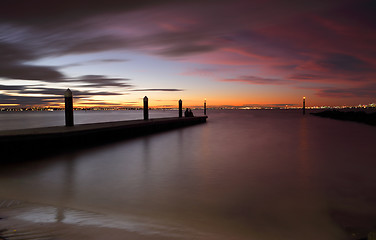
x,y
244,174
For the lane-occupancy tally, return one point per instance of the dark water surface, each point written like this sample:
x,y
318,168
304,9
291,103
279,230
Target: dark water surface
x,y
34,119
242,175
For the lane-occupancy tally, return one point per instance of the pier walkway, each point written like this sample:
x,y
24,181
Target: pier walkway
x,y
62,137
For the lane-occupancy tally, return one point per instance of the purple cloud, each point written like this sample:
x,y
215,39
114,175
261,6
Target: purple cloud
x,y
258,80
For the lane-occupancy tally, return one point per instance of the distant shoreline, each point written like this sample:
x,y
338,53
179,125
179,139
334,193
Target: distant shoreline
x,y
51,109
355,116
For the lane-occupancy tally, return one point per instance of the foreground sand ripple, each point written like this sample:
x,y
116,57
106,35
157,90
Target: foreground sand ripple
x,y
27,221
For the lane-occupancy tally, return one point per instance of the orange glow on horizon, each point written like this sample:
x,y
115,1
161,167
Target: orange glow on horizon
x,y
157,101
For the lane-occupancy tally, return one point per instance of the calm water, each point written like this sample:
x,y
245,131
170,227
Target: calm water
x,y
29,119
242,175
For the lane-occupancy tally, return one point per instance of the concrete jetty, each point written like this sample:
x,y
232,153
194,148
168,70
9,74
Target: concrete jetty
x,y
62,138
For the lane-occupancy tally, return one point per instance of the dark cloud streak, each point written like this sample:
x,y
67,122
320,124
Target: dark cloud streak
x,y
42,12
258,80
158,90
100,61
29,72
12,88
102,81
368,90
344,63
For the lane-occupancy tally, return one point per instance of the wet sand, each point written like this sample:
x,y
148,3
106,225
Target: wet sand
x,y
21,220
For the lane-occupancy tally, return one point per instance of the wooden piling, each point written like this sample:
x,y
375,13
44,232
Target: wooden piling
x,y
205,107
146,108
303,105
180,108
68,108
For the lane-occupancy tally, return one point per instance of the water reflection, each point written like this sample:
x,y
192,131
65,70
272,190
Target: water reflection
x,y
146,155
305,166
67,187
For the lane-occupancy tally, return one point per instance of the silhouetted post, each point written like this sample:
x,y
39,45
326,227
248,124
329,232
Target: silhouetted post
x,y
303,105
146,108
68,108
180,108
205,107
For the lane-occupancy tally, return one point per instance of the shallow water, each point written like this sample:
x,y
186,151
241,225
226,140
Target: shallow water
x,y
242,175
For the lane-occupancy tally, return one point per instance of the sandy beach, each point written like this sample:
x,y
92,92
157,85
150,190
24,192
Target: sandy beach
x,y
36,221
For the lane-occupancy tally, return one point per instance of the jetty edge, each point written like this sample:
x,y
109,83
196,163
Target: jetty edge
x,y
37,141
354,116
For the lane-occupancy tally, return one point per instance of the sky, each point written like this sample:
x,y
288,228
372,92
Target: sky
x,y
232,53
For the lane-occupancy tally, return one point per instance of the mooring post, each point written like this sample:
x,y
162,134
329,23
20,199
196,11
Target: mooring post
x,y
303,105
68,108
205,107
146,108
180,108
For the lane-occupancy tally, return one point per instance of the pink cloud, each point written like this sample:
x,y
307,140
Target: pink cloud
x,y
258,80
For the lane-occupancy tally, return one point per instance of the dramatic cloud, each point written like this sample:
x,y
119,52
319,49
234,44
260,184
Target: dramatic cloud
x,y
13,66
329,42
9,87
